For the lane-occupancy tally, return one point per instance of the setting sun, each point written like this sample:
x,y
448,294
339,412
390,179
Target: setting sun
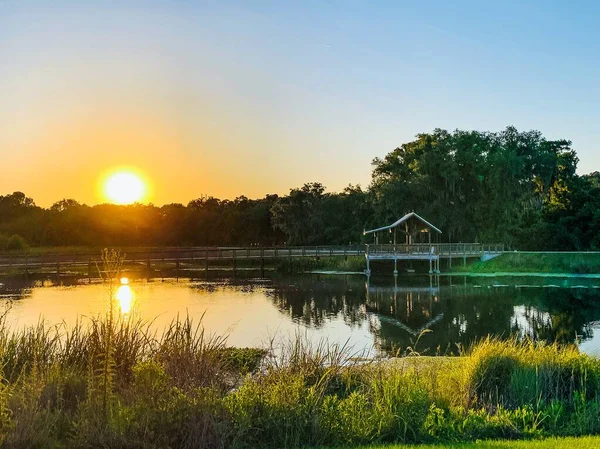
x,y
124,187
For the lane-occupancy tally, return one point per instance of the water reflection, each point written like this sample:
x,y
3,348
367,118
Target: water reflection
x,y
442,318
125,297
390,316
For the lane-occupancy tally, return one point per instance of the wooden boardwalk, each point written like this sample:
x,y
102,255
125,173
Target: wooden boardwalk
x,y
431,252
175,257
204,255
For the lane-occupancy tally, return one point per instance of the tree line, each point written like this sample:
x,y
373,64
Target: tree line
x,y
510,187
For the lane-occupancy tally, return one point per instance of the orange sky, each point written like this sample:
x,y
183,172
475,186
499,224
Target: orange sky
x,y
66,155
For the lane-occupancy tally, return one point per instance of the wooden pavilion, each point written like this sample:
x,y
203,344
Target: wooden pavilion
x,y
416,244
416,230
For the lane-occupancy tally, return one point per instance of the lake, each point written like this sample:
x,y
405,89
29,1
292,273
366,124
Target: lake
x,y
382,316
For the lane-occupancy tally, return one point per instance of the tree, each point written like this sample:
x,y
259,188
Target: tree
x,y
476,186
300,215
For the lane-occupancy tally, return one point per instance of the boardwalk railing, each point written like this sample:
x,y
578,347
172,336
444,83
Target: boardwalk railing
x,y
437,249
191,255
176,255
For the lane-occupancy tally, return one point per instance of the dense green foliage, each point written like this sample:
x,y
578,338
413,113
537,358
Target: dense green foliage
x,y
510,187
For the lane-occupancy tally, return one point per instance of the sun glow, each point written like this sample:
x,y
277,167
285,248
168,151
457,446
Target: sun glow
x,y
124,187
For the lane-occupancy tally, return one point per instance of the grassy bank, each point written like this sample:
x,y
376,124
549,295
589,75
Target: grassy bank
x,y
114,383
575,263
550,443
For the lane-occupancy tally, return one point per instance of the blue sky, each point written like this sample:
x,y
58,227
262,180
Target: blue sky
x,y
230,98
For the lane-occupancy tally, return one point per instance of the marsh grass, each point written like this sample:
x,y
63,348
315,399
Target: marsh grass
x,y
185,388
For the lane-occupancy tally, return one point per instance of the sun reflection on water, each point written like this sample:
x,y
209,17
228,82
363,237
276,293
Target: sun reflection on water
x,y
125,297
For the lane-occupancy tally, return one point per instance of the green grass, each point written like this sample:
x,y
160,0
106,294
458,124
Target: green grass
x,y
550,443
572,263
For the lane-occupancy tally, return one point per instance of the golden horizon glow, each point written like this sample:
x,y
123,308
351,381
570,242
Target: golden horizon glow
x,y
124,187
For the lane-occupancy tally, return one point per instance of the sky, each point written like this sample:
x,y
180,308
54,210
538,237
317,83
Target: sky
x,y
253,97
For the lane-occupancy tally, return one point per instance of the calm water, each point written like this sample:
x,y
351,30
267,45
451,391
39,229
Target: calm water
x,y
380,317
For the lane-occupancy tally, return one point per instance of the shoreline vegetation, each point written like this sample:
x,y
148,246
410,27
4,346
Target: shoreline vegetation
x,y
115,383
548,443
536,262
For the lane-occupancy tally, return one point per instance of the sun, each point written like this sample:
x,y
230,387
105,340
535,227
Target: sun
x,y
124,187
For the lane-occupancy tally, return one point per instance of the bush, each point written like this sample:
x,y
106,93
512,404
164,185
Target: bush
x,y
515,374
16,243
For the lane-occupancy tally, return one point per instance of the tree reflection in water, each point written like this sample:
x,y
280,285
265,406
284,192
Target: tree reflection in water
x,y
456,312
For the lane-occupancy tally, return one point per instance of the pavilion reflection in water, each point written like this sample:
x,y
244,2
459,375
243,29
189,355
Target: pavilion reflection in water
x,y
412,309
442,318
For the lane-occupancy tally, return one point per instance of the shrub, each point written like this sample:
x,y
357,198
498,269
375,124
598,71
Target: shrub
x,y
514,374
16,243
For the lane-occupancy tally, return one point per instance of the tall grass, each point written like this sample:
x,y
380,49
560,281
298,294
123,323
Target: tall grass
x,y
184,388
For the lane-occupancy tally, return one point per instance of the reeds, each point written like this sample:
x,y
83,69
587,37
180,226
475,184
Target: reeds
x,y
184,388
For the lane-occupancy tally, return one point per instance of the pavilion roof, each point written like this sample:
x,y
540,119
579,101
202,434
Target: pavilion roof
x,y
402,220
